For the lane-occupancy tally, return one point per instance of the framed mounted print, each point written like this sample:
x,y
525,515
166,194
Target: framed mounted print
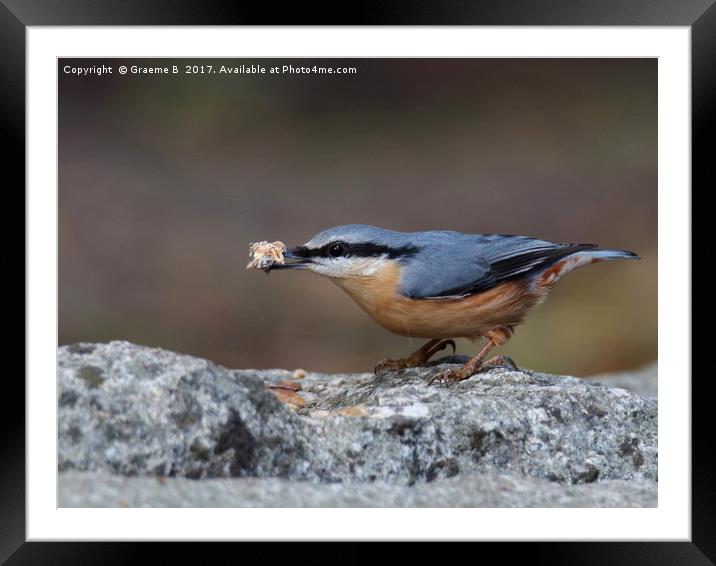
x,y
335,282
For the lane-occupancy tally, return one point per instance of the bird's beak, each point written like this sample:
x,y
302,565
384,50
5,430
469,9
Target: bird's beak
x,y
295,258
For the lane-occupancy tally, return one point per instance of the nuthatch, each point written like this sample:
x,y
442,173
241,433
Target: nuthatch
x,y
442,285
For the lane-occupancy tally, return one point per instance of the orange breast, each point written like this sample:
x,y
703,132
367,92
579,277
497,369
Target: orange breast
x,y
503,305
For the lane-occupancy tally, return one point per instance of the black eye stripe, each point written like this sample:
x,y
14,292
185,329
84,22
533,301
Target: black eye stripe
x,y
359,250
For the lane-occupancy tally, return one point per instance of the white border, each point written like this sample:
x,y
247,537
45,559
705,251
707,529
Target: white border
x,y
671,520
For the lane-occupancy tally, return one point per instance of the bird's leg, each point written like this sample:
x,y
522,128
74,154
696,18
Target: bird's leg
x,y
499,361
417,358
477,364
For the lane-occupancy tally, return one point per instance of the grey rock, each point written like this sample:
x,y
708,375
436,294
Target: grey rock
x,y
643,381
131,410
135,410
98,489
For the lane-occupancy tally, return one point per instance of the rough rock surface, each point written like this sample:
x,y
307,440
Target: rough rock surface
x,y
135,411
98,489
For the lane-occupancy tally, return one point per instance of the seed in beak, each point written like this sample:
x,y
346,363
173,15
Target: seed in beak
x,y
264,255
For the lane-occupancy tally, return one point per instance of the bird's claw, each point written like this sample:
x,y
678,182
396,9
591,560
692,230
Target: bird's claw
x,y
444,344
416,359
446,377
382,365
500,361
390,365
449,376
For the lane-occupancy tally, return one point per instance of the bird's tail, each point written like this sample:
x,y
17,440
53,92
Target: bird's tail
x,y
604,255
584,257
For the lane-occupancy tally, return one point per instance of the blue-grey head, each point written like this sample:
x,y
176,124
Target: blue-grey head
x,y
350,251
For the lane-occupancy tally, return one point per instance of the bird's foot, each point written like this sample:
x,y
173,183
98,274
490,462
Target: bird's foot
x,y
417,358
499,361
450,376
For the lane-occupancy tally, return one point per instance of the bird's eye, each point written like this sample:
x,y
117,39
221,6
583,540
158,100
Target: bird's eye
x,y
337,250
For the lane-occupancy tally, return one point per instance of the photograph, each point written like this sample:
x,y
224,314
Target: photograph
x,y
375,282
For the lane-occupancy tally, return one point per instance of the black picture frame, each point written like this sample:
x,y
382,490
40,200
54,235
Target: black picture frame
x,y
17,15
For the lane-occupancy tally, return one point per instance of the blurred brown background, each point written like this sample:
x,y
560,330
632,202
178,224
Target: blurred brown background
x,y
164,181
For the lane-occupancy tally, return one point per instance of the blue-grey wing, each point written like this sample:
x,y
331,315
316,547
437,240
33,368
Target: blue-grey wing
x,y
432,275
464,265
